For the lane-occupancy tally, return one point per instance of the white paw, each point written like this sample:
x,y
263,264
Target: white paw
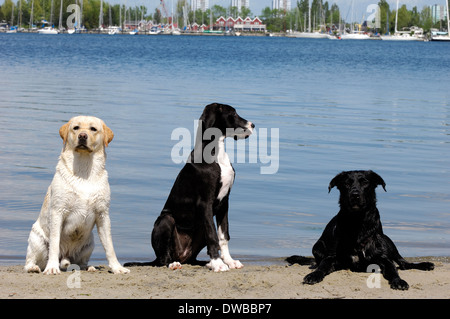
x,y
217,265
91,269
175,265
120,270
234,264
52,269
65,263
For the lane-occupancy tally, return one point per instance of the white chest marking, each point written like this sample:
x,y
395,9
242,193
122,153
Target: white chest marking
x,y
226,170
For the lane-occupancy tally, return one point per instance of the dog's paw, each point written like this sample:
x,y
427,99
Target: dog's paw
x,y
33,269
313,278
175,265
217,265
234,264
91,269
426,266
399,284
65,263
120,270
52,269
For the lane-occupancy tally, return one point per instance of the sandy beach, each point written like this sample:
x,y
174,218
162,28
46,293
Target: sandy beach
x,y
277,280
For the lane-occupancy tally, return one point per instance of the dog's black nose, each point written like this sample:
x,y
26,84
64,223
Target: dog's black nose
x,y
82,136
253,125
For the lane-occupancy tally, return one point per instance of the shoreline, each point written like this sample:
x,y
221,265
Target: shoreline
x,y
275,280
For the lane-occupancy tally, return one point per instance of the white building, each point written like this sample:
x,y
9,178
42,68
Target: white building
x,y
240,3
281,5
200,5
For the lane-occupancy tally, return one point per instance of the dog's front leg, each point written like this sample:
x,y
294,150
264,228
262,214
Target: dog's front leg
x,y
224,236
55,226
389,271
104,232
212,243
326,266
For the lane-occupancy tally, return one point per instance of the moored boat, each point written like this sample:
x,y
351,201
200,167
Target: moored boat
x,y
48,30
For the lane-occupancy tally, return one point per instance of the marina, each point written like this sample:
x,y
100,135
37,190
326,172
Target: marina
x,y
177,17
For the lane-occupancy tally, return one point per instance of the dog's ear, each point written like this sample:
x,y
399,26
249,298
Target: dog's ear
x,y
376,179
335,181
108,135
64,132
209,115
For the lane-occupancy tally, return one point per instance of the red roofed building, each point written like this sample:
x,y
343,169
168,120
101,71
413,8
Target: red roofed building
x,y
248,24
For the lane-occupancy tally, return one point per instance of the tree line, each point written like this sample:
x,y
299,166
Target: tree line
x,y
321,15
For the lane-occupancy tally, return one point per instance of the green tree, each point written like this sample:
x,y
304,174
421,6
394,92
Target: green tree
x,y
384,16
245,12
7,9
426,21
404,18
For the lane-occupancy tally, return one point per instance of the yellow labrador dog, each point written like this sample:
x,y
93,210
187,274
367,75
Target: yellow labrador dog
x,y
77,199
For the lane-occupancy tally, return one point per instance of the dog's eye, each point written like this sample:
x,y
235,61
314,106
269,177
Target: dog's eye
x,y
363,181
75,128
93,129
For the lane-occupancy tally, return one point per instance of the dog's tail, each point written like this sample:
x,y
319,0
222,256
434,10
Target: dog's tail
x,y
301,260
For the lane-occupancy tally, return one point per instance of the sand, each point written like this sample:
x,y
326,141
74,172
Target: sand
x,y
277,280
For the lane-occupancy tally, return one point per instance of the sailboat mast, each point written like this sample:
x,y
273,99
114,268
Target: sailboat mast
x,y
60,15
31,16
100,17
448,19
309,17
396,19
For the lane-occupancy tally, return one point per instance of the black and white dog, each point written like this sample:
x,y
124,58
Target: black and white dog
x,y
354,238
200,192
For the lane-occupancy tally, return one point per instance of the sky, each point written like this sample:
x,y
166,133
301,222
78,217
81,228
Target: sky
x,y
256,6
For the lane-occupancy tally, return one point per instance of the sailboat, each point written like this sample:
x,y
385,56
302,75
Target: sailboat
x,y
309,34
13,29
354,35
442,37
399,36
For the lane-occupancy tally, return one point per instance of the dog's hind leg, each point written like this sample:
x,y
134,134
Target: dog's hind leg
x,y
85,254
301,260
402,263
405,265
37,252
162,240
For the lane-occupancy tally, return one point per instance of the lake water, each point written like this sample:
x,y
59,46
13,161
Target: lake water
x,y
337,105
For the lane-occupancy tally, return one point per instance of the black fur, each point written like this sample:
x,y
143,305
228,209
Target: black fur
x,y
354,238
186,223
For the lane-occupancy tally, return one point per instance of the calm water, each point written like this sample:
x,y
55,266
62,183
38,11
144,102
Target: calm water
x,y
337,105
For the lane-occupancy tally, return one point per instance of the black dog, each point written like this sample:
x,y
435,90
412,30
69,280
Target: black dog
x,y
200,192
354,238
